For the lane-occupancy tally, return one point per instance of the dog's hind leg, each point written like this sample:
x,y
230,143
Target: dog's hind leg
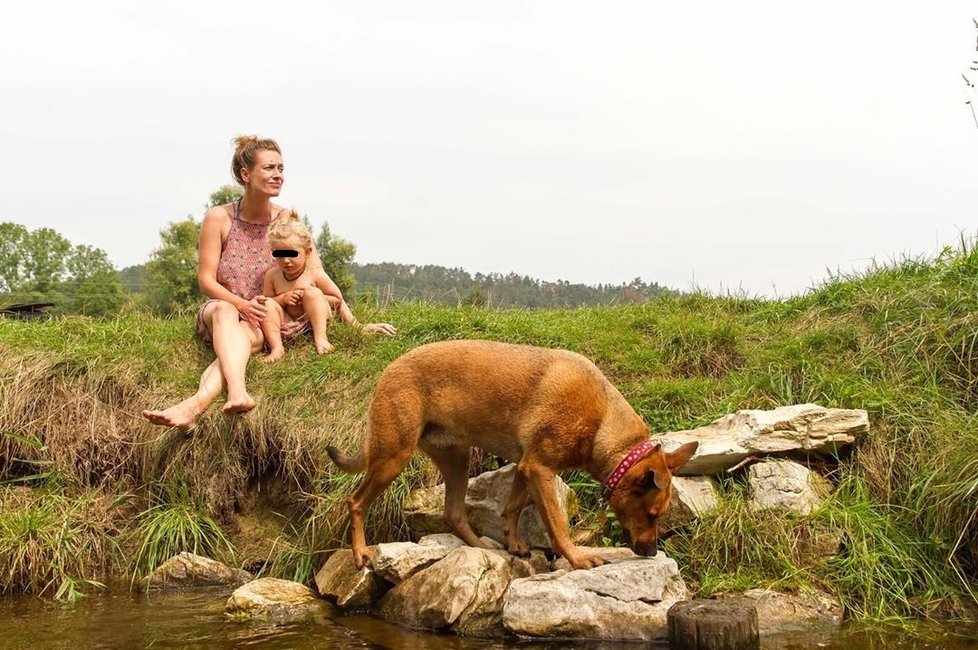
x,y
511,516
379,475
453,462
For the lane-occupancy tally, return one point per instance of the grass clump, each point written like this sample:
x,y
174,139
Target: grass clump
x,y
174,523
52,544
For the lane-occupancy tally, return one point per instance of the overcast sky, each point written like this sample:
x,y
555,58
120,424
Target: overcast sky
x,y
746,146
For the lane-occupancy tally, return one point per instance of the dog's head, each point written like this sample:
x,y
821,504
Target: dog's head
x,y
643,494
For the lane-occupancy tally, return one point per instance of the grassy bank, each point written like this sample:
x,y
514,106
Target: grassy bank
x,y
899,341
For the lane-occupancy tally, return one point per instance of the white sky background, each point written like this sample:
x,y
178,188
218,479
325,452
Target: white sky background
x,y
729,146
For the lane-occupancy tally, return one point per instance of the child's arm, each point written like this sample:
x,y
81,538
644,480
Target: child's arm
x,y
284,299
335,297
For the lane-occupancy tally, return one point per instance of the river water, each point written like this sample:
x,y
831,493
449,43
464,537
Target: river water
x,y
196,620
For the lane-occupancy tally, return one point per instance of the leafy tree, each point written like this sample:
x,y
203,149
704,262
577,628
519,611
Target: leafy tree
x,y
43,260
94,287
43,265
171,272
337,255
12,238
223,195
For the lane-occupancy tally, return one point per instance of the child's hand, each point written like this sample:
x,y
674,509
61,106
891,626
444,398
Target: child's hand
x,y
293,297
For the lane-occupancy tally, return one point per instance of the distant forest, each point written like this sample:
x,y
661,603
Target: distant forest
x,y
432,283
389,282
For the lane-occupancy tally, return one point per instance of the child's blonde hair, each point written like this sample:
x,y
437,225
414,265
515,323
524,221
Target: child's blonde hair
x,y
289,227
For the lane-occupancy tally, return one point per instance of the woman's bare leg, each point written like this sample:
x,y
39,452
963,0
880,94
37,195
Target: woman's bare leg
x,y
234,342
184,415
318,311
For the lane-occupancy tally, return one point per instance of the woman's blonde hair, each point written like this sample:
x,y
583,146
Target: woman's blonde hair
x,y
245,148
289,227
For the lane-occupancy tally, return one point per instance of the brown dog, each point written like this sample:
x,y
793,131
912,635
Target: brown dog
x,y
547,410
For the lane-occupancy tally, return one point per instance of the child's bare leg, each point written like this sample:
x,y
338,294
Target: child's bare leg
x,y
318,311
271,327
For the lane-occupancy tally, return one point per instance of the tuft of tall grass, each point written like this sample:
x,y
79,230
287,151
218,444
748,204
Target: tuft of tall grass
x,y
174,523
53,544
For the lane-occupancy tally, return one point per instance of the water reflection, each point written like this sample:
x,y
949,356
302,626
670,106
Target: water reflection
x,y
196,620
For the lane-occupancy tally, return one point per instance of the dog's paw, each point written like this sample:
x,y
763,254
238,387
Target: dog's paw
x,y
362,559
519,548
582,561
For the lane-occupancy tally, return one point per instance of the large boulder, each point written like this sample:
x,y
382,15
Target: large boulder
x,y
190,570
627,600
786,486
487,494
692,497
351,588
463,592
277,601
801,428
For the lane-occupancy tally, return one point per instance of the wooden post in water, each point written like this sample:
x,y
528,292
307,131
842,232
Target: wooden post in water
x,y
702,624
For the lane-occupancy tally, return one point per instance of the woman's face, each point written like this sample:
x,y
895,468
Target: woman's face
x,y
267,175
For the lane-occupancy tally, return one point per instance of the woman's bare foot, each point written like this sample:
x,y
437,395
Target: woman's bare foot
x,y
238,404
182,415
323,346
274,355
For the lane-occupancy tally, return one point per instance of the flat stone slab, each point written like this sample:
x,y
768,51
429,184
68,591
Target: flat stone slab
x,y
806,428
626,600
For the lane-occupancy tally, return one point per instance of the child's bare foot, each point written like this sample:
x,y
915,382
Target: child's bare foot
x,y
274,355
323,346
182,415
238,404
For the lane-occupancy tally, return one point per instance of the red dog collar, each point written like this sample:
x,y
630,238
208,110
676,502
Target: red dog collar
x,y
626,463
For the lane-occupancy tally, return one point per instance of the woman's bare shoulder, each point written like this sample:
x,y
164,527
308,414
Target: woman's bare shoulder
x,y
220,213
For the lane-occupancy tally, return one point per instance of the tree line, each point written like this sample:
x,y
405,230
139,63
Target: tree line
x,y
41,265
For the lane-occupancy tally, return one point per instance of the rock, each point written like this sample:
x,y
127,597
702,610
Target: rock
x,y
463,592
189,570
627,600
352,589
803,612
817,545
805,428
397,561
485,499
787,486
606,553
692,497
278,601
524,567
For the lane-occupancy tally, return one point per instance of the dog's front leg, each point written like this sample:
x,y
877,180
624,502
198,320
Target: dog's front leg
x,y
543,487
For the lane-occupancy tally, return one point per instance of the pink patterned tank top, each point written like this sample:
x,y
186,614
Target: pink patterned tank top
x,y
245,257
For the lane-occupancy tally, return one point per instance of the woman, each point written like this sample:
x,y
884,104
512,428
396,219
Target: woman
x,y
234,257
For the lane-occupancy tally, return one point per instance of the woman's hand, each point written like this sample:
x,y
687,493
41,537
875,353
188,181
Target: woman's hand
x,y
254,311
382,328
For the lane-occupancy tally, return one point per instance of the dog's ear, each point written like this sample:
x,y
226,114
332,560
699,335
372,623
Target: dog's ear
x,y
681,456
652,479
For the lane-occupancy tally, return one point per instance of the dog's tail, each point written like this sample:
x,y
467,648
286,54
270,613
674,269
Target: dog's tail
x,y
349,464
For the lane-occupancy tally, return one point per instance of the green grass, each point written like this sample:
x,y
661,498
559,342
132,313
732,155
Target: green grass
x,y
900,341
